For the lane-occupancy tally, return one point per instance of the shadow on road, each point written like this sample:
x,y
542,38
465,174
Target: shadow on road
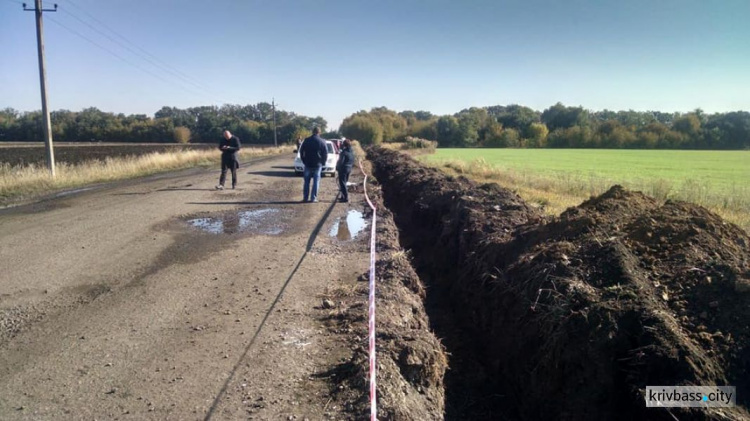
x,y
285,174
182,189
247,203
310,242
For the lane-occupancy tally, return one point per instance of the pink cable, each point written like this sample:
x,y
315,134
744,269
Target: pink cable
x,y
371,327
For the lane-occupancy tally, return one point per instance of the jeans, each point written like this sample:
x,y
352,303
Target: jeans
x,y
314,173
343,179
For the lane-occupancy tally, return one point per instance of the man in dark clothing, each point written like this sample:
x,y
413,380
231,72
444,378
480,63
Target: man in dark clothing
x,y
229,146
344,168
314,154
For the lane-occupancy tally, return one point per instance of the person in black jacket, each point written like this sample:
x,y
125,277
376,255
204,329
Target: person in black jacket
x,y
344,168
229,146
314,154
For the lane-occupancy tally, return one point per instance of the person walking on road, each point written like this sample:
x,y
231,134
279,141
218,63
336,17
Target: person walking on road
x,y
314,154
344,168
229,146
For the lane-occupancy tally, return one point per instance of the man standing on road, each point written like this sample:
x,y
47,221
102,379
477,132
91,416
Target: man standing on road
x,y
314,154
229,146
344,168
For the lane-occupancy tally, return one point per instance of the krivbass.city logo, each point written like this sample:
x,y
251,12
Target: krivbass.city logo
x,y
690,396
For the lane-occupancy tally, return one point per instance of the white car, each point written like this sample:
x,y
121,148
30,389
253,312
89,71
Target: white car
x,y
328,168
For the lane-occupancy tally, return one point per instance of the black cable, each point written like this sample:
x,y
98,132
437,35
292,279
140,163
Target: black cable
x,y
136,53
145,55
107,27
73,31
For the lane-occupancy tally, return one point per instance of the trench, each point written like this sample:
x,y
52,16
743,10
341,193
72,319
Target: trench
x,y
569,318
471,391
479,385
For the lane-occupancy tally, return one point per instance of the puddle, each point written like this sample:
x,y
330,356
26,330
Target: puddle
x,y
344,229
259,221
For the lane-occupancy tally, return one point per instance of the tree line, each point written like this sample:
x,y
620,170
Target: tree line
x,y
558,126
251,123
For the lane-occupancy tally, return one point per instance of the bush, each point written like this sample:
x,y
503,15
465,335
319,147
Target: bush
x,y
181,134
417,143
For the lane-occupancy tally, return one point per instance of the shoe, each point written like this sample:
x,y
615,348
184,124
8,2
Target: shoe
x,y
304,200
219,187
233,186
343,200
314,201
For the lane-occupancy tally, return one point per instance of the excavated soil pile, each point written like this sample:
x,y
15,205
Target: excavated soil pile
x,y
411,361
570,318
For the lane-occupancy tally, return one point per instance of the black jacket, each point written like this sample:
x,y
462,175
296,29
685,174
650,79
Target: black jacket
x,y
233,146
313,151
346,160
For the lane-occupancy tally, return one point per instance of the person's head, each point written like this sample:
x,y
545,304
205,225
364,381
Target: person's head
x,y
316,131
227,134
347,144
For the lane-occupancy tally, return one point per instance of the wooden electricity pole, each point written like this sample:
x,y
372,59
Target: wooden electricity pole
x,y
43,82
273,106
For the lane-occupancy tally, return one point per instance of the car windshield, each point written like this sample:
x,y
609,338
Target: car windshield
x,y
330,147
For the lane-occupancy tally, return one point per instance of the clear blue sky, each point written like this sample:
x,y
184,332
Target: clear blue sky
x,y
332,58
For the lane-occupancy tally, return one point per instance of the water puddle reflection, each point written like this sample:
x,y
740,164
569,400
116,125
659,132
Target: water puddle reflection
x,y
347,228
258,221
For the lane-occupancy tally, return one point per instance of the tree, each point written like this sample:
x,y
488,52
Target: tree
x,y
734,128
492,135
469,123
393,125
515,116
559,116
688,124
511,138
537,134
362,128
448,132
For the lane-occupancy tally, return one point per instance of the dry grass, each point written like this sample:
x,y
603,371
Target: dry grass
x,y
555,194
23,182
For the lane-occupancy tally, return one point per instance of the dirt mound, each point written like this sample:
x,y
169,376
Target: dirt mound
x,y
570,318
411,361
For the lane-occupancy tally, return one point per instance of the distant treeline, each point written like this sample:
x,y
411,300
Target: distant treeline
x,y
558,126
251,123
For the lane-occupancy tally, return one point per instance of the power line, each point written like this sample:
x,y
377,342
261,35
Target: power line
x,y
108,28
136,53
142,53
73,31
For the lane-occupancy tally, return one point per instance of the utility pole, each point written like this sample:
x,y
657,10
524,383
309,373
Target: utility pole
x,y
43,82
273,106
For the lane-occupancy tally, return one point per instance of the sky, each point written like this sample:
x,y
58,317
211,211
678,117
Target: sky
x,y
333,58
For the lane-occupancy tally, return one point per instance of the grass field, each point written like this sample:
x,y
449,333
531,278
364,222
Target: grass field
x,y
23,154
23,182
558,178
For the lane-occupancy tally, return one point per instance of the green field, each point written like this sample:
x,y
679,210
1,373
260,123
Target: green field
x,y
557,178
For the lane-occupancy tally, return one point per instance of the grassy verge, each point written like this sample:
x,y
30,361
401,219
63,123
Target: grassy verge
x,y
24,182
555,192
